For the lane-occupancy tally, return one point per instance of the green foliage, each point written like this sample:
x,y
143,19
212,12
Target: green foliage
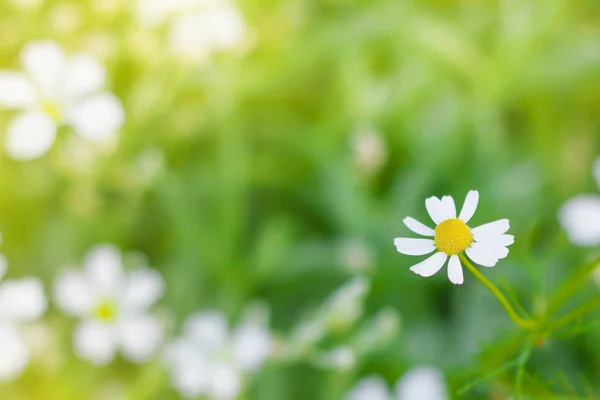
x,y
237,178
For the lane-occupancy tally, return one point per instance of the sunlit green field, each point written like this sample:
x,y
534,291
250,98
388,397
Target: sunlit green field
x,y
262,160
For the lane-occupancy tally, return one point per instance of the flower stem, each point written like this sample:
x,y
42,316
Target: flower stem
x,y
523,323
571,286
580,311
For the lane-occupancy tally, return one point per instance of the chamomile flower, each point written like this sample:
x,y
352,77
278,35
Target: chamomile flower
x,y
485,244
21,300
580,216
56,90
207,360
112,307
419,383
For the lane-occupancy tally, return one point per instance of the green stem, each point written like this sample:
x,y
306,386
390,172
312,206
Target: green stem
x,y
571,286
580,311
522,360
523,323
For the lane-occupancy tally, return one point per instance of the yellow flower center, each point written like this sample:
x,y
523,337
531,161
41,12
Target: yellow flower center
x,y
52,109
452,236
105,311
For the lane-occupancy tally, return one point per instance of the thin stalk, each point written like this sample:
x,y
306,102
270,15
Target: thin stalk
x,y
523,323
570,287
580,311
522,360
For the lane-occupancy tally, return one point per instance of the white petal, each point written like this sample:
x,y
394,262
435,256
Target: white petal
x,y
95,342
22,299
198,34
422,383
414,247
431,265
252,344
481,255
83,76
435,209
369,388
191,374
102,265
500,240
97,118
16,90
492,228
73,293
455,271
470,205
140,337
30,135
580,218
418,227
143,288
15,354
44,61
208,330
226,382
153,12
449,207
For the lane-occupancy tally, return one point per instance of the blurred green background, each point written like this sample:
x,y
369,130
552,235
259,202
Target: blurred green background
x,y
284,167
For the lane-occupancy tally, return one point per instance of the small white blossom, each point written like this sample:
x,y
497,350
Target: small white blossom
x,y
422,383
419,383
208,360
580,216
21,300
342,357
370,152
198,28
370,388
56,90
345,305
485,244
112,306
356,255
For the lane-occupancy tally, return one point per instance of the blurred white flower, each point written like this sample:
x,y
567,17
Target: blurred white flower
x,y
208,360
21,300
27,3
345,305
341,357
485,244
199,27
369,150
370,388
356,255
56,90
419,383
422,383
580,216
113,307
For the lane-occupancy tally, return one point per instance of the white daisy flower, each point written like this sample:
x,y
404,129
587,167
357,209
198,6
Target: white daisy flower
x,y
113,307
370,388
199,27
580,216
419,383
21,300
485,245
56,90
208,360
